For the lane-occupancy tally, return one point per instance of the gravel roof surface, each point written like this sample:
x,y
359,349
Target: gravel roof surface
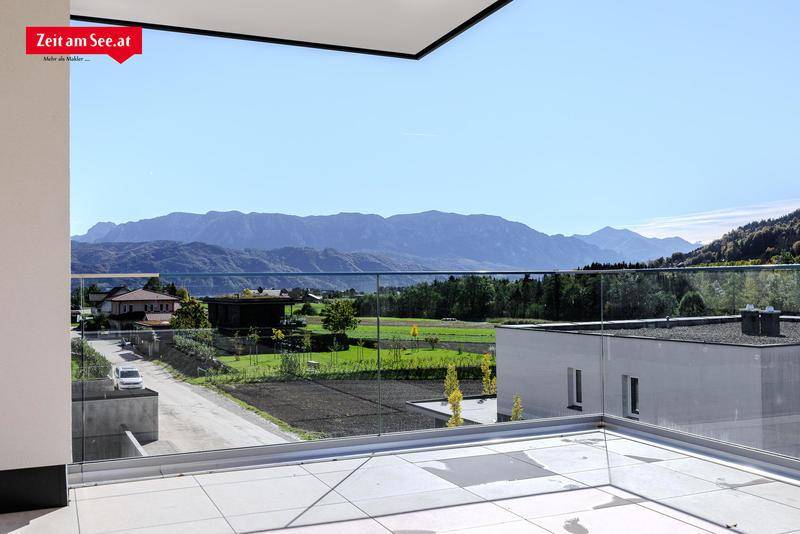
x,y
713,333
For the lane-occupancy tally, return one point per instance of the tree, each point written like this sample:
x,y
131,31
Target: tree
x,y
253,338
415,335
154,284
516,409
454,399
307,342
307,309
339,316
183,294
432,341
692,305
796,248
236,341
77,298
450,380
171,289
278,337
190,316
489,385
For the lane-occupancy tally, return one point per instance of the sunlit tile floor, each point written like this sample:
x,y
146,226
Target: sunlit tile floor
x,y
586,483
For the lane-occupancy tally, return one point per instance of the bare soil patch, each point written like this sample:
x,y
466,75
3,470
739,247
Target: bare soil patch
x,y
341,408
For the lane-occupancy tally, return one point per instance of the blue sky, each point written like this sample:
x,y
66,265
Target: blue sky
x,y
678,117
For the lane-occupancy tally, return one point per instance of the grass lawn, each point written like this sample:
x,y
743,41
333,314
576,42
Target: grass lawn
x,y
424,357
459,332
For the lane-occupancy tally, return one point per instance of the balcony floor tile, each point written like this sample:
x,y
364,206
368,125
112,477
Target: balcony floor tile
x,y
469,489
140,510
417,501
388,481
476,470
564,502
615,520
744,512
451,518
270,495
49,521
781,492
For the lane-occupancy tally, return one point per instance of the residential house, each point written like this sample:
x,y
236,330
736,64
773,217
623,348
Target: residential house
x,y
141,306
101,301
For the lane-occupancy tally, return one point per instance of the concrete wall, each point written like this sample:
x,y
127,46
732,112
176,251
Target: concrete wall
x,y
99,425
130,447
34,235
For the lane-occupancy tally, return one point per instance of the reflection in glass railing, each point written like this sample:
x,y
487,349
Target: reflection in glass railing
x,y
193,362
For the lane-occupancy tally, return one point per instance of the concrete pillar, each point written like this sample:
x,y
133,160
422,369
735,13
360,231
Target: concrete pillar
x,y
34,285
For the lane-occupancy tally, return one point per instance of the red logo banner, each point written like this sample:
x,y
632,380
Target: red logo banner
x,y
119,42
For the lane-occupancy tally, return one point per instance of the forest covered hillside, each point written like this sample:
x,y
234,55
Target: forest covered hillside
x,y
760,242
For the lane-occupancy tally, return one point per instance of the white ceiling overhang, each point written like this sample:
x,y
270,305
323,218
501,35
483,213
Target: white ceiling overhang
x,y
400,28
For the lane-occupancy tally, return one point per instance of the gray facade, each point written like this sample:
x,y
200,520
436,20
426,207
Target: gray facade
x,y
749,395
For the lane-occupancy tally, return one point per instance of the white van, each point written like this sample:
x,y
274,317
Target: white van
x,y
127,377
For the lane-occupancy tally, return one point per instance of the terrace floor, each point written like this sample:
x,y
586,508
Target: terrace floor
x,y
557,483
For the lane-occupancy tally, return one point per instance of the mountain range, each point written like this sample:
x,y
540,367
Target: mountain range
x,y
429,240
634,247
175,257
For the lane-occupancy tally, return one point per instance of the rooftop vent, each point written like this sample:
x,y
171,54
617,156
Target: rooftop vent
x,y
766,322
750,322
770,320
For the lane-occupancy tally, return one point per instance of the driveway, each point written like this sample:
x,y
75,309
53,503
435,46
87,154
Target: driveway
x,y
193,418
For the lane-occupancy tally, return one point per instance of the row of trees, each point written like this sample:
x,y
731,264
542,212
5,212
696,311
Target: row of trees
x,y
588,296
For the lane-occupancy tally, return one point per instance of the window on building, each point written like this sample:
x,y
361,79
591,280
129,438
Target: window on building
x,y
575,388
631,397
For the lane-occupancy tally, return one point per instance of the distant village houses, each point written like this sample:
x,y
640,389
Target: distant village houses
x,y
127,308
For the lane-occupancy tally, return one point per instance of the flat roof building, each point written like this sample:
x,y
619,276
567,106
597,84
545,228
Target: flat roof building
x,y
699,375
230,314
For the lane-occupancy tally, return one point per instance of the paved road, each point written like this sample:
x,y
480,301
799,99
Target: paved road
x,y
193,418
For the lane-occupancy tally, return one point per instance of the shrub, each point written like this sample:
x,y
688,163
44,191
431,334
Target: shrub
x,y
692,305
516,410
306,342
194,348
96,323
455,399
90,363
489,384
450,381
290,366
307,309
